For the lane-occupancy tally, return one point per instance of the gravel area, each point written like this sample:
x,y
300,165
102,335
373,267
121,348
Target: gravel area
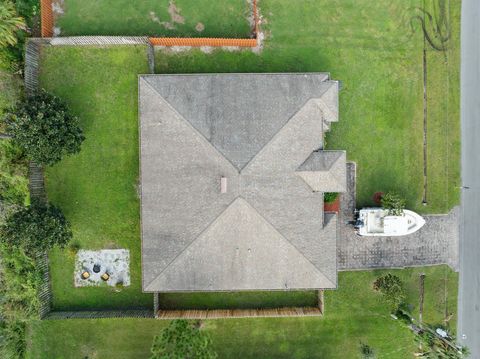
x,y
115,262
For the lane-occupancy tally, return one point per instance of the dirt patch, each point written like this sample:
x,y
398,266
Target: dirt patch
x,y
206,49
199,27
174,12
58,9
175,17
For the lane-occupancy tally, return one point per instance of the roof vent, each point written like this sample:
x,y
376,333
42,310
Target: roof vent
x,y
223,185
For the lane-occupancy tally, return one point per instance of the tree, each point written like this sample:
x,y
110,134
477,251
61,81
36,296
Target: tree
x,y
43,126
392,288
393,203
36,227
182,340
10,23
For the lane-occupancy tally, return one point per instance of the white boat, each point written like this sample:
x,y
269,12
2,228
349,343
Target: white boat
x,y
377,222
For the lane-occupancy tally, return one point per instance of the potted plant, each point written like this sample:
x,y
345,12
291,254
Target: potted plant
x,y
393,203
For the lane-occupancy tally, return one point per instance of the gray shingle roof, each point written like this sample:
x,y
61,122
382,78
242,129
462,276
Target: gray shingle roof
x,y
325,171
267,231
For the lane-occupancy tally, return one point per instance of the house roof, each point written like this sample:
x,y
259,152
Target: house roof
x,y
325,171
257,131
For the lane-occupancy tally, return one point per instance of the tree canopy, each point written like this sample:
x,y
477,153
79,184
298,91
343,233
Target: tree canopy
x,y
36,227
182,340
44,127
391,286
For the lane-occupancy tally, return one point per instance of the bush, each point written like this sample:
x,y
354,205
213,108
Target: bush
x,y
28,9
12,339
19,283
393,203
392,288
330,197
13,174
43,126
182,339
366,351
10,23
38,227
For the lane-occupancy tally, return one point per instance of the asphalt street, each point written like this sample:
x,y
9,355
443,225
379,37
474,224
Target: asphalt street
x,y
469,291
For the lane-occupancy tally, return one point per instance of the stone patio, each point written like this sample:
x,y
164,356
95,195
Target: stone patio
x,y
115,262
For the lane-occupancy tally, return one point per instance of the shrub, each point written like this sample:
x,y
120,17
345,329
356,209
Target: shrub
x,y
330,197
43,126
182,339
10,23
432,346
392,288
393,203
366,351
12,339
19,283
36,227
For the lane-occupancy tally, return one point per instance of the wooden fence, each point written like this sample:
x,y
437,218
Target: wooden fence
x,y
47,25
98,314
32,62
240,313
99,40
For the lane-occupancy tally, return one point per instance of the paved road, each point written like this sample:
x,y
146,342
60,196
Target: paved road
x,y
469,291
435,243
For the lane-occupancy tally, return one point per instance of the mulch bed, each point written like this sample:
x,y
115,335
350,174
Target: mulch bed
x,y
332,207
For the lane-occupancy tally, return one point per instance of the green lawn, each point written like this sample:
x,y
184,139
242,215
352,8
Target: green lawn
x,y
443,117
370,47
237,300
227,18
97,189
354,314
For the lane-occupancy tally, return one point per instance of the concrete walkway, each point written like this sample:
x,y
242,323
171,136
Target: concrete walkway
x,y
435,243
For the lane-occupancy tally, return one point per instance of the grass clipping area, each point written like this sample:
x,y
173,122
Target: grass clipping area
x,y
354,313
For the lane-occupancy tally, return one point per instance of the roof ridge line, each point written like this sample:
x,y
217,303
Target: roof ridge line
x,y
309,100
193,241
284,237
170,106
265,220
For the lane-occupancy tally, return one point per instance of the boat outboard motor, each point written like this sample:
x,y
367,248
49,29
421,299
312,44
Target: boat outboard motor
x,y
358,224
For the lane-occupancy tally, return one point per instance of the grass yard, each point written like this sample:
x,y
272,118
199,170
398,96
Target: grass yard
x,y
156,18
371,47
354,314
97,189
443,113
238,300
